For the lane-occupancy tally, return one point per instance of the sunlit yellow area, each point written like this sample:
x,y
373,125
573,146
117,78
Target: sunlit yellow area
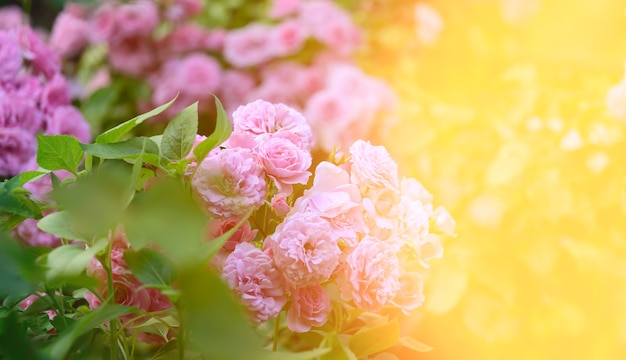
x,y
503,116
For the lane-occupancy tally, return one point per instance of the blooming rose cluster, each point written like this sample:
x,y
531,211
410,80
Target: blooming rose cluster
x,y
359,228
188,57
34,96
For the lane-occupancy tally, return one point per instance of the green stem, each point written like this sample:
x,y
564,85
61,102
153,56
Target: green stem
x,y
276,332
111,298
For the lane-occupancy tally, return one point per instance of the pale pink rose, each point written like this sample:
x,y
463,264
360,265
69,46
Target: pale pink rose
x,y
274,92
310,307
282,8
42,59
378,205
22,112
198,75
244,233
230,183
429,248
69,34
335,199
287,38
285,162
29,234
132,56
260,118
280,205
181,10
103,24
330,116
251,273
411,220
55,93
372,166
17,148
304,249
67,120
248,46
410,296
10,17
188,37
371,275
10,56
443,221
330,25
415,191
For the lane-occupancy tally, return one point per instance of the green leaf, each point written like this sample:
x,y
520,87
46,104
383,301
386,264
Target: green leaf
x,y
217,324
116,133
14,341
180,133
19,204
19,273
59,152
131,148
61,224
303,355
223,129
413,344
98,105
338,350
371,340
106,312
30,175
67,263
151,267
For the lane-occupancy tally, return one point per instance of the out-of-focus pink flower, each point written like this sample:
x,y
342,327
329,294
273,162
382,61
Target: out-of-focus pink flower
x,y
137,19
330,25
55,93
371,277
43,59
67,120
132,56
285,162
260,118
372,166
10,56
304,249
69,34
253,275
189,37
30,235
310,307
243,234
26,303
287,38
22,112
230,183
282,8
103,25
410,296
248,46
10,17
411,220
17,149
235,86
181,10
330,115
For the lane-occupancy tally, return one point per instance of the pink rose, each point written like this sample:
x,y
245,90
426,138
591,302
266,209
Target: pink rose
x,y
285,162
55,93
414,190
10,17
310,307
29,234
243,234
183,9
248,46
137,18
188,37
230,183
371,275
132,56
335,199
260,118
235,86
411,220
69,34
10,56
330,25
304,249
17,148
253,275
26,303
43,60
280,205
372,166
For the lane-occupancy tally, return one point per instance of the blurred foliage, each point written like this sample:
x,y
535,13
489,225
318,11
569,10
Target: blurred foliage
x,y
504,119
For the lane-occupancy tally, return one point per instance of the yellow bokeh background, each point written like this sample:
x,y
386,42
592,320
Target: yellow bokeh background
x,y
504,120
